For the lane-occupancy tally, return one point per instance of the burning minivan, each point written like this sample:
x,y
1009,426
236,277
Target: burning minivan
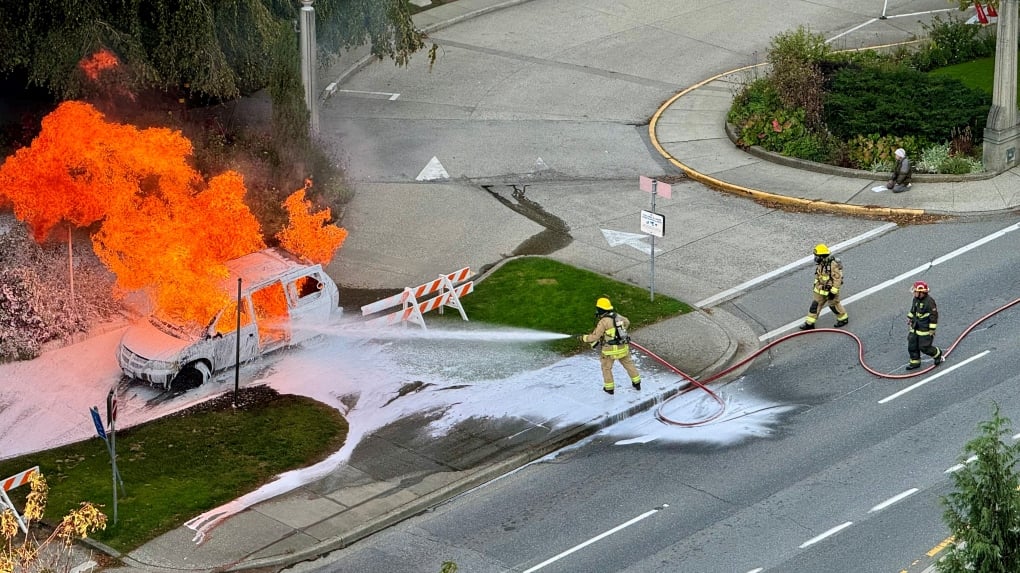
x,y
284,301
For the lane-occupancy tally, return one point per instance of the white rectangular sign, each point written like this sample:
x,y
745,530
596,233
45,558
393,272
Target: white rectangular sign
x,y
653,223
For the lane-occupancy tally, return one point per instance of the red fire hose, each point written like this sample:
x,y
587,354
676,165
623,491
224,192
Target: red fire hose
x,y
703,384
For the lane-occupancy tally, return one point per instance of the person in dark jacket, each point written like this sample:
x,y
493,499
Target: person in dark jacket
x,y
901,174
922,320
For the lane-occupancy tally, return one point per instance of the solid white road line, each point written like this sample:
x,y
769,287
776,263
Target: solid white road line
x,y
594,539
959,467
923,13
851,30
941,373
832,531
894,499
390,95
728,293
894,280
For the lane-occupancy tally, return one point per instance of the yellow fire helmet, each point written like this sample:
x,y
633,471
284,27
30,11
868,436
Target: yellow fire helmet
x,y
821,249
603,304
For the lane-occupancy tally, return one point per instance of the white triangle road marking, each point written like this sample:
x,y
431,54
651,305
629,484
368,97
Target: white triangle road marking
x,y
434,170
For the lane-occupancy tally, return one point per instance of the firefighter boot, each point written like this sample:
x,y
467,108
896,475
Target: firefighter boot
x,y
636,384
807,326
938,357
841,322
914,365
608,390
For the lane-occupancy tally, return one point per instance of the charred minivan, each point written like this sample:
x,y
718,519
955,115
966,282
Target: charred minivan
x,y
284,301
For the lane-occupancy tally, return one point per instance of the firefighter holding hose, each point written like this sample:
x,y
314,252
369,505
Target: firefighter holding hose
x,y
610,336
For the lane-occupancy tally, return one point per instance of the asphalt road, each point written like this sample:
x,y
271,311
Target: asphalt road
x,y
845,475
806,473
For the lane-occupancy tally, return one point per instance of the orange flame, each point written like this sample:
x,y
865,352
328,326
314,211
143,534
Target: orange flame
x,y
163,227
307,234
99,62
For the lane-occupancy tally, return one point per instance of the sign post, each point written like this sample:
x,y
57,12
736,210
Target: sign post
x,y
653,223
111,404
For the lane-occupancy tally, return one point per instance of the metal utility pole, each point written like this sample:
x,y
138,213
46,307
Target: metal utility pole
x,y
308,65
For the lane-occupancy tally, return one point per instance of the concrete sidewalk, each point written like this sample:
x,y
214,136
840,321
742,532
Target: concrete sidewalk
x,y
689,130
405,475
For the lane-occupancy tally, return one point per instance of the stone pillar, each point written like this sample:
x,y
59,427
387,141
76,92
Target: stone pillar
x,y
1002,136
308,67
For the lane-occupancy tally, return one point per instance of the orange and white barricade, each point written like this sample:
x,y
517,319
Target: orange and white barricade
x,y
449,293
16,480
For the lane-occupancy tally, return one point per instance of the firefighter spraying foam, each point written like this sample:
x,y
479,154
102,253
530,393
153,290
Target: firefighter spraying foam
x,y
610,335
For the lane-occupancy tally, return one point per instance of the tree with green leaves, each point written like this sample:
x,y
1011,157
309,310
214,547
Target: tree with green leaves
x,y
218,49
984,511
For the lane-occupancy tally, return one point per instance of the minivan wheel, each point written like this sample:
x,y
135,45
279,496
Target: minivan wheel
x,y
191,376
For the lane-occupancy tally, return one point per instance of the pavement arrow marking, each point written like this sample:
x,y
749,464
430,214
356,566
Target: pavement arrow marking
x,y
617,238
434,170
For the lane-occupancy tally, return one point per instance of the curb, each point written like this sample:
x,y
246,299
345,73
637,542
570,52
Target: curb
x,y
841,208
489,472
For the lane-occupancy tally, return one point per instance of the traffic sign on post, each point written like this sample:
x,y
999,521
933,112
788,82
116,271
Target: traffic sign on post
x,y
94,410
653,223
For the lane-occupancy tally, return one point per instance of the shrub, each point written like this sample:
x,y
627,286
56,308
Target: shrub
x,y
756,98
796,71
932,159
867,151
35,305
904,102
956,165
952,41
882,165
812,147
773,131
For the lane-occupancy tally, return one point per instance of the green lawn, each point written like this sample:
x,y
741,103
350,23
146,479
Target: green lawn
x,y
542,294
978,74
177,467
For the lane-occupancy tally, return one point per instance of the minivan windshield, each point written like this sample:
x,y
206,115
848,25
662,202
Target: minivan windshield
x,y
169,325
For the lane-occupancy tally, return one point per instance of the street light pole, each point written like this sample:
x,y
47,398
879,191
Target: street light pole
x,y
308,65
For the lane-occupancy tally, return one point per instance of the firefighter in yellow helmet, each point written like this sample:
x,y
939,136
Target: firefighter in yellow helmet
x,y
828,282
610,336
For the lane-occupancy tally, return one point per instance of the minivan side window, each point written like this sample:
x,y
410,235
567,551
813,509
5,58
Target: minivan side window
x,y
305,289
271,312
227,321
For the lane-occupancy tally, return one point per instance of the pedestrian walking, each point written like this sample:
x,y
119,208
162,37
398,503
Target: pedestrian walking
x,y
611,338
900,179
922,320
828,282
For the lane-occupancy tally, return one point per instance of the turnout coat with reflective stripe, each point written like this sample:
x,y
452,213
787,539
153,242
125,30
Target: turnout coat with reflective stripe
x,y
923,316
